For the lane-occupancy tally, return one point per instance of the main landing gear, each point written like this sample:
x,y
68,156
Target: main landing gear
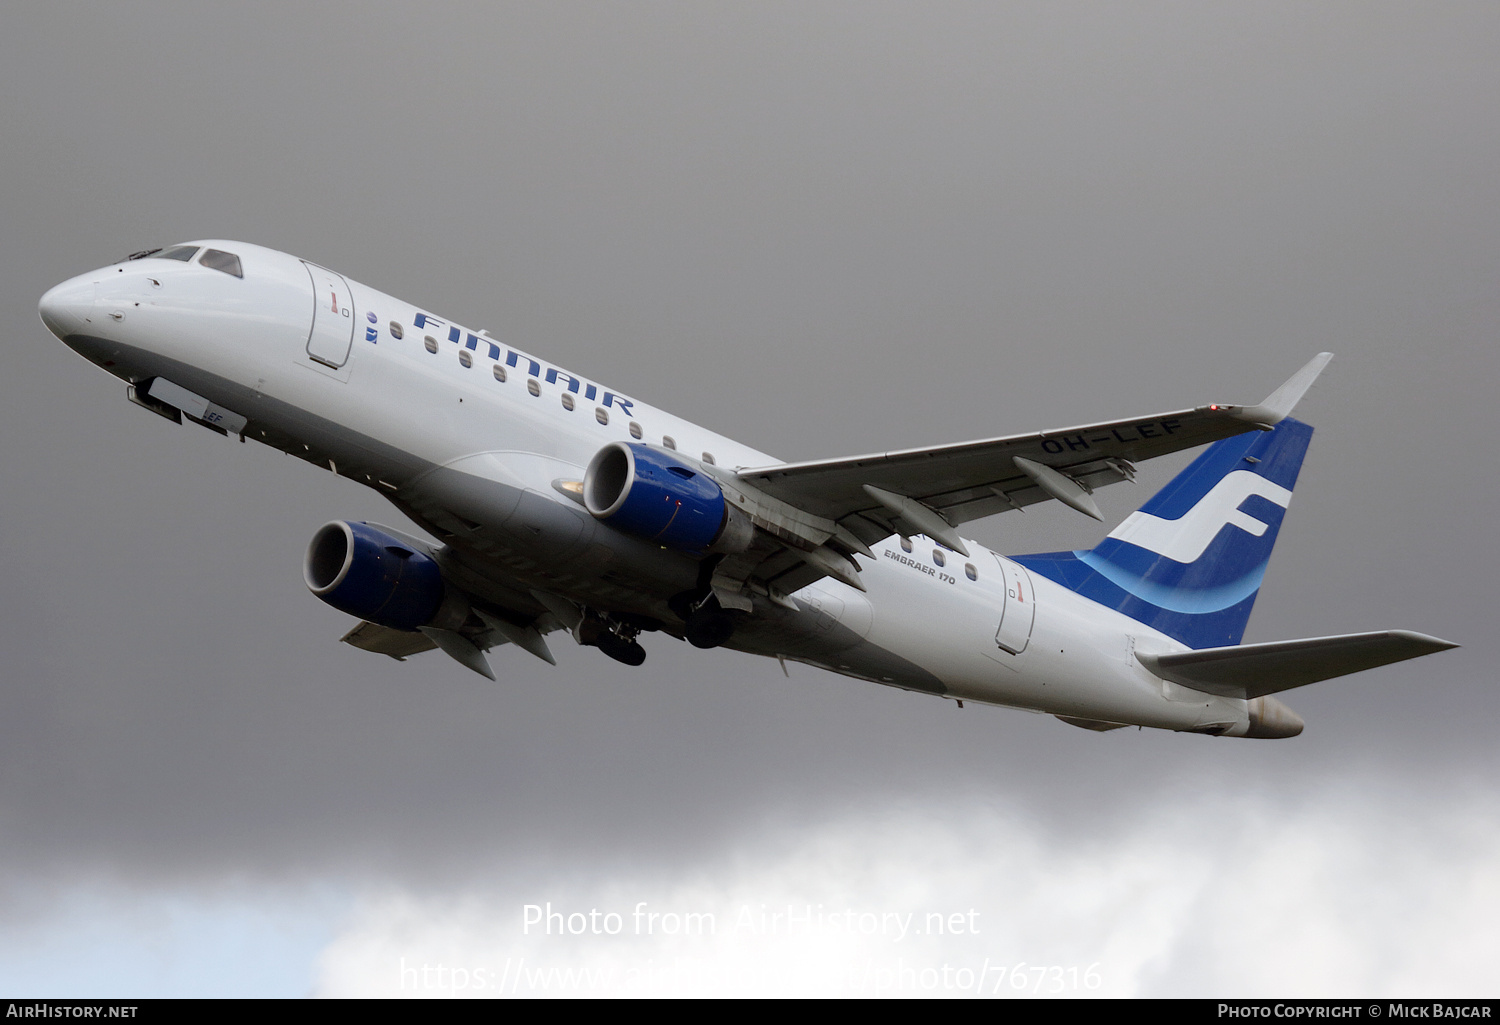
x,y
616,639
708,624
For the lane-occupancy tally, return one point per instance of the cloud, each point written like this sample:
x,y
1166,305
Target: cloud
x,y
1350,892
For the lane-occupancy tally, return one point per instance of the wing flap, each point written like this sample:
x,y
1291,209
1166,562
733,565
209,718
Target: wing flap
x,y
1255,670
383,640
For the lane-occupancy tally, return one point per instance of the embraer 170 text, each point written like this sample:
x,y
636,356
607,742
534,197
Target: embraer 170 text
x,y
561,505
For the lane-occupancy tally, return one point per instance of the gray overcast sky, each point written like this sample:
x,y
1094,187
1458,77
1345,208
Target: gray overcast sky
x,y
821,229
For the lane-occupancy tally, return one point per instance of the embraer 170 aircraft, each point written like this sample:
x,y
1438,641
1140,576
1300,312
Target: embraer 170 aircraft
x,y
563,505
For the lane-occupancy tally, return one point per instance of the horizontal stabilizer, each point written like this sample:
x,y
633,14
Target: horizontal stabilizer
x,y
1254,670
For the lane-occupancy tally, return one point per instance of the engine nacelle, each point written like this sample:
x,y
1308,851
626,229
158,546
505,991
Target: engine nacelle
x,y
370,574
648,493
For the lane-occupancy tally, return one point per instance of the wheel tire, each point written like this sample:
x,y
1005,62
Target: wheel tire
x,y
628,652
709,628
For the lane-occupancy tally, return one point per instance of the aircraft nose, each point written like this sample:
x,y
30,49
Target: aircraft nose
x,y
66,307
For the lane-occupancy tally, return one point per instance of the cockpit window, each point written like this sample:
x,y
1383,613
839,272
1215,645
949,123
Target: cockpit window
x,y
183,253
217,259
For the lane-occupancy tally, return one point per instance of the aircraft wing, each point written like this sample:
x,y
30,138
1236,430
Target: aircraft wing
x,y
879,494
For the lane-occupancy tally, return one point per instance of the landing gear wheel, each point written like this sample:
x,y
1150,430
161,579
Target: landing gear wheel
x,y
621,650
618,643
709,627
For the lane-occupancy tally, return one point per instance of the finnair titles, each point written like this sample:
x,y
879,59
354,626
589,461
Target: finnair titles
x,y
555,507
472,342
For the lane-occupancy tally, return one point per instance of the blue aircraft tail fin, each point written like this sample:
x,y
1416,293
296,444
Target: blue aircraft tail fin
x,y
1190,561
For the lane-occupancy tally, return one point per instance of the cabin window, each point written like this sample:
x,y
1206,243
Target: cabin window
x,y
500,372
533,387
970,571
567,400
602,415
635,430
431,344
667,442
938,557
906,545
708,457
396,331
217,259
464,358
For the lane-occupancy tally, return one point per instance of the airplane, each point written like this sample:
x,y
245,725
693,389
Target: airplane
x,y
560,505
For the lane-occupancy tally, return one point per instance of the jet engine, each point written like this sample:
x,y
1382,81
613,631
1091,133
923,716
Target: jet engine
x,y
368,573
646,492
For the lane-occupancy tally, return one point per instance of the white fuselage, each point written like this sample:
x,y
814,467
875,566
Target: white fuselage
x,y
434,430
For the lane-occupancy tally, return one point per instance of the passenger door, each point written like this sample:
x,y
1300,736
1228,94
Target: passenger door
x,y
333,317
1019,612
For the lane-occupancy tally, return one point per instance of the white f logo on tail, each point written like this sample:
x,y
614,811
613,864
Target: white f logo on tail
x,y
1184,540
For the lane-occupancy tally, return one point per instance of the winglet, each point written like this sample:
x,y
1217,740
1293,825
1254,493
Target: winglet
x,y
1280,403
